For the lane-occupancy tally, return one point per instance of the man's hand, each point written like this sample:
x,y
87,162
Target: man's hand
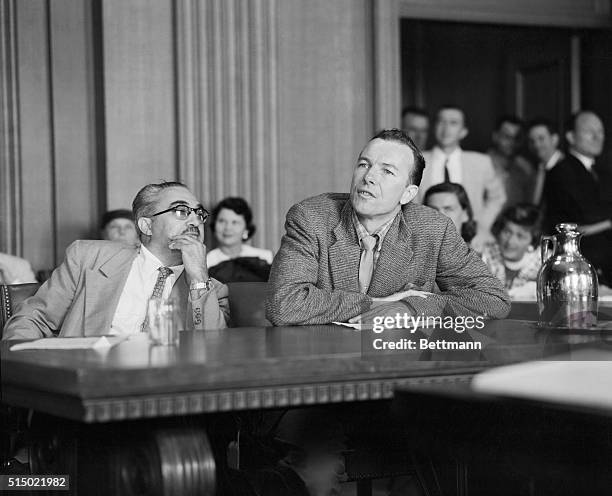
x,y
383,309
400,295
193,251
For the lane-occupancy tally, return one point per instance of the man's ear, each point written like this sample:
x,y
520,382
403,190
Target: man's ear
x,y
569,136
464,132
409,193
144,224
555,140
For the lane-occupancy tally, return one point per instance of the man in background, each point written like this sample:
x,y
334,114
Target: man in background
x,y
579,189
415,121
543,142
448,162
514,171
118,225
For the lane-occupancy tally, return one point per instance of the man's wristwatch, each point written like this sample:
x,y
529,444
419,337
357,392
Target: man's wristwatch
x,y
207,285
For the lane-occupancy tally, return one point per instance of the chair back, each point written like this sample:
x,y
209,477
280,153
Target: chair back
x,y
12,295
247,301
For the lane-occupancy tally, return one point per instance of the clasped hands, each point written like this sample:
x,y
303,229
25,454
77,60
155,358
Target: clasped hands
x,y
388,306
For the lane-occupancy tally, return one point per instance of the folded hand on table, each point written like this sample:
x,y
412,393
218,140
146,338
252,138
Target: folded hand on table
x,y
388,306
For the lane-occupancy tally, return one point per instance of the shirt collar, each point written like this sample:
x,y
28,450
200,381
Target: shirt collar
x,y
584,160
439,154
554,158
150,263
380,233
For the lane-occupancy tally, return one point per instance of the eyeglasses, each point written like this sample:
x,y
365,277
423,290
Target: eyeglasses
x,y
183,212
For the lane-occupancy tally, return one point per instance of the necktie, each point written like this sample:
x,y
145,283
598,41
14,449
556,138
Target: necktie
x,y
158,289
446,176
366,265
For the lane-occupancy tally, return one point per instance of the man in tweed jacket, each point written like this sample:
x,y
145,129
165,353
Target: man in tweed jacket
x,y
315,275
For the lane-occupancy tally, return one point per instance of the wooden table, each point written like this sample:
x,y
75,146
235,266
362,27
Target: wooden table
x,y
134,384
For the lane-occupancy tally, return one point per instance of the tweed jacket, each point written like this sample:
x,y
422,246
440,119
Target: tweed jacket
x,y
82,294
483,186
314,277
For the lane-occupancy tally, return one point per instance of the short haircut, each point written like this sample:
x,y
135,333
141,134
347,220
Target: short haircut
x,y
400,136
452,106
570,123
542,122
145,200
509,118
415,111
240,207
523,214
111,215
468,229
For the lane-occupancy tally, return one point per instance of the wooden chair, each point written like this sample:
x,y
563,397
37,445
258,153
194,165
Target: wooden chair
x,y
12,295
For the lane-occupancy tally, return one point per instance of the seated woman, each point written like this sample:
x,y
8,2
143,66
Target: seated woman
x,y
451,200
233,260
512,258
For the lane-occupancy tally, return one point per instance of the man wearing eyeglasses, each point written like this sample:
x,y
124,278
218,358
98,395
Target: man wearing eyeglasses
x,y
104,287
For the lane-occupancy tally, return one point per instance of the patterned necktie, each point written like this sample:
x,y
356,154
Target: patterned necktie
x,y
158,289
446,175
366,265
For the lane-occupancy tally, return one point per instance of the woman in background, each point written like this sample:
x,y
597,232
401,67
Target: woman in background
x,y
512,258
450,199
233,260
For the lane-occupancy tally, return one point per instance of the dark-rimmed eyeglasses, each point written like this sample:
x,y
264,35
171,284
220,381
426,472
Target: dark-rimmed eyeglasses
x,y
183,212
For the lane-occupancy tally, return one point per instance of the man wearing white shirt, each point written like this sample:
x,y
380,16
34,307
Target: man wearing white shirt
x,y
580,190
103,287
473,170
544,143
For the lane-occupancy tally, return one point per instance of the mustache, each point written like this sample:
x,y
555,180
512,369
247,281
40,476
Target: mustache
x,y
191,230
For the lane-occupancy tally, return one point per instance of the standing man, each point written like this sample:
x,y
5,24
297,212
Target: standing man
x,y
514,171
544,144
578,189
415,121
103,287
447,162
374,253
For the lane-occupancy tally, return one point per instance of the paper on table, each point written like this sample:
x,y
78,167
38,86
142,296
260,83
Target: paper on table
x,y
95,342
583,383
357,327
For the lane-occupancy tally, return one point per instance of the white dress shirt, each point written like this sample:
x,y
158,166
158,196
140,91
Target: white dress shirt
x,y
584,160
132,306
439,158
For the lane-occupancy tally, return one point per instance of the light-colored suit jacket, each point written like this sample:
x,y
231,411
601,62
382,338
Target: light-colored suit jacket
x,y
482,185
314,277
82,294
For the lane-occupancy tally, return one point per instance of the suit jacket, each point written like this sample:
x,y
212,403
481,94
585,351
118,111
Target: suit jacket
x,y
484,188
314,277
81,296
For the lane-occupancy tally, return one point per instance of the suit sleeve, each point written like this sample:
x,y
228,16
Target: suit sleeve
x,y
42,315
495,198
211,309
467,288
294,297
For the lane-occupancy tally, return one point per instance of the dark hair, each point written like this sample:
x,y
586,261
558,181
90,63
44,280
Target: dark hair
x,y
509,118
145,200
523,214
468,228
240,207
452,106
542,122
111,215
415,111
400,136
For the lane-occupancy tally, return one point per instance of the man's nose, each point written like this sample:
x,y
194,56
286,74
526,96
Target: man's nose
x,y
370,176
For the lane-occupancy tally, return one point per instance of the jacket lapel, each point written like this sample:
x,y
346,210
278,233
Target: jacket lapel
x,y
395,258
344,253
103,287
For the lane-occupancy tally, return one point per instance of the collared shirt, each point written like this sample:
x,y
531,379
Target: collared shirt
x,y
439,159
584,160
554,158
380,234
132,306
